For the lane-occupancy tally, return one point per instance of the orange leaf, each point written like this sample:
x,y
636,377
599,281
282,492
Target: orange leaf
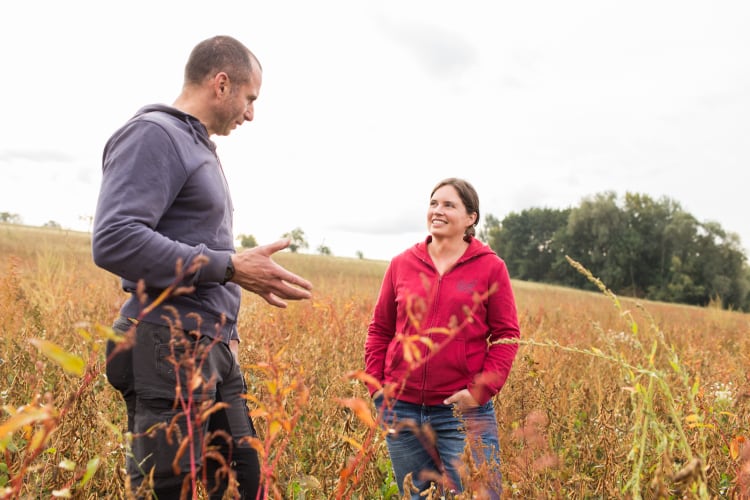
x,y
361,409
26,416
735,446
364,377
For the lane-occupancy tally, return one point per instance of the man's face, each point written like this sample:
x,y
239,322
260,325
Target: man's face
x,y
237,106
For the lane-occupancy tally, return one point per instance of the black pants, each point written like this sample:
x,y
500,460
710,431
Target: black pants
x,y
148,375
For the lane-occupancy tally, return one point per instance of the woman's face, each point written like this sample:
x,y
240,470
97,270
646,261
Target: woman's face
x,y
447,216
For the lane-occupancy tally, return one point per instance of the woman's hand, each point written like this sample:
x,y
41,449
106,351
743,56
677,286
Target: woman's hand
x,y
463,400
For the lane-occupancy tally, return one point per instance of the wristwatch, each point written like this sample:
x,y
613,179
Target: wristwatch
x,y
229,273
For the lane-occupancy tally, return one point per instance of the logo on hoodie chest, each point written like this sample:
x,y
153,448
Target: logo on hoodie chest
x,y
466,286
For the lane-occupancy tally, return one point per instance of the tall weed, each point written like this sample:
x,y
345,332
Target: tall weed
x,y
608,398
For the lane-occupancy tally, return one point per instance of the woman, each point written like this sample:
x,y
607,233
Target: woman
x,y
441,343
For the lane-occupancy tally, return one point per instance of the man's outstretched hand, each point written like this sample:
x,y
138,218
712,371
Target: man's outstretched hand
x,y
255,271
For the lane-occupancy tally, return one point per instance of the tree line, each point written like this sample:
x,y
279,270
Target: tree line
x,y
298,241
637,246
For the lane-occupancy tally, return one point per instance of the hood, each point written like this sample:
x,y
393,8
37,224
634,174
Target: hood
x,y
196,128
476,249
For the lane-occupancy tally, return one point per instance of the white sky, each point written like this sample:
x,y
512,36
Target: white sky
x,y
366,105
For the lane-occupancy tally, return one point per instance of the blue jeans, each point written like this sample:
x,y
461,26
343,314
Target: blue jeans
x,y
428,441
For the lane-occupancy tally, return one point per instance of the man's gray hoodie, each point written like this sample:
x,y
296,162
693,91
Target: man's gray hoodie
x,y
164,199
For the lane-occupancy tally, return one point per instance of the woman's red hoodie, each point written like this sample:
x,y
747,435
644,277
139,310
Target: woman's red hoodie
x,y
460,314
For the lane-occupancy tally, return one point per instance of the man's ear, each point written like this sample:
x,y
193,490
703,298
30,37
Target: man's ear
x,y
221,84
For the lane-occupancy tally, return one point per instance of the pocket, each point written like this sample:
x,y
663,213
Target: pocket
x,y
119,367
152,450
187,358
167,357
449,370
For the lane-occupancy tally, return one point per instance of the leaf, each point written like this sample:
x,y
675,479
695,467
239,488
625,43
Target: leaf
x,y
352,442
412,353
259,413
108,333
178,455
257,445
38,439
85,335
407,354
696,386
197,382
271,385
273,428
735,445
652,357
213,409
361,409
91,468
26,416
365,377
68,362
428,342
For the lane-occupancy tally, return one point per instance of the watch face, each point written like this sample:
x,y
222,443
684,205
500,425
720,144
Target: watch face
x,y
229,273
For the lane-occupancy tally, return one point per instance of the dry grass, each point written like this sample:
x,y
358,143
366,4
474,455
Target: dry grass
x,y
607,399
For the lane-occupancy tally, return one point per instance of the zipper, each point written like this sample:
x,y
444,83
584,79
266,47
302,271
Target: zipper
x,y
433,312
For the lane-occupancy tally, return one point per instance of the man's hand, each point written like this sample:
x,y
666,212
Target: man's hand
x,y
255,271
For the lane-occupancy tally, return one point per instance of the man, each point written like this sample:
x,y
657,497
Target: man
x,y
164,218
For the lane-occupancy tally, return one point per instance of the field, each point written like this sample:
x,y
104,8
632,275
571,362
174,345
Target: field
x,y
608,397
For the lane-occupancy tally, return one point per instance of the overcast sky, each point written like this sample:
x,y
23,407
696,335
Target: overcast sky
x,y
366,105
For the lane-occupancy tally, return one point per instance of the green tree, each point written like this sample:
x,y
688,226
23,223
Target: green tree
x,y
722,264
639,246
297,236
526,241
677,284
488,229
10,218
247,241
599,238
647,248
